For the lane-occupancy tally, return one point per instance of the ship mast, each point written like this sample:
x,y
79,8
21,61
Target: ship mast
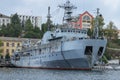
x,y
48,19
68,7
96,29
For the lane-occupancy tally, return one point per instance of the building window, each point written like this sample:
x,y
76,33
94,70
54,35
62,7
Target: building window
x,y
86,18
7,50
2,44
18,49
7,20
3,21
7,44
12,50
18,45
13,44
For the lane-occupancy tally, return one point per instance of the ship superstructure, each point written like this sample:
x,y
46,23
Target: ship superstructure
x,y
63,48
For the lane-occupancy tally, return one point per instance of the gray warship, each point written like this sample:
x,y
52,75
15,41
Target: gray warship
x,y
63,48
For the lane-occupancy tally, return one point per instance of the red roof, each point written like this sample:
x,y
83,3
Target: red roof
x,y
86,12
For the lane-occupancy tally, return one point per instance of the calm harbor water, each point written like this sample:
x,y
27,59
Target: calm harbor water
x,y
42,74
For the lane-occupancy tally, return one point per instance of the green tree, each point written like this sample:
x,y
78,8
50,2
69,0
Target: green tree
x,y
16,27
1,49
15,19
3,30
7,57
111,31
100,20
45,27
13,29
90,32
10,31
38,32
30,34
28,25
30,31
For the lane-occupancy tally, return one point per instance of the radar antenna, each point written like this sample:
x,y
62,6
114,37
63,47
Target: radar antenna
x,y
68,7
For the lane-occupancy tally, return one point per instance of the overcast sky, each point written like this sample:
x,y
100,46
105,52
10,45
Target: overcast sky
x,y
108,8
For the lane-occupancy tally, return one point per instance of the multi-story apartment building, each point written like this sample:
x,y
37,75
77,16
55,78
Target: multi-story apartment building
x,y
35,20
4,19
84,20
10,44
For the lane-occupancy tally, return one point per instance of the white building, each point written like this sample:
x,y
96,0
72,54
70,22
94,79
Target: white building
x,y
35,20
4,19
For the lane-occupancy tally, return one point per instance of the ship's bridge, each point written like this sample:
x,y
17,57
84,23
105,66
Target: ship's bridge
x,y
71,32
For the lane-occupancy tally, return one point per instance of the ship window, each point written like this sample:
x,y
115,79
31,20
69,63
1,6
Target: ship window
x,y
57,31
39,50
100,51
80,38
88,50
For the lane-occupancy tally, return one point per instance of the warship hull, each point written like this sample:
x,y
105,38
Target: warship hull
x,y
78,54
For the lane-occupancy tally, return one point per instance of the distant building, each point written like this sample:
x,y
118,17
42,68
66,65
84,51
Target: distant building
x,y
84,20
4,19
35,20
10,44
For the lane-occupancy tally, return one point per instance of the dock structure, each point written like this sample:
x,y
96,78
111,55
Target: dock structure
x,y
107,67
4,63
